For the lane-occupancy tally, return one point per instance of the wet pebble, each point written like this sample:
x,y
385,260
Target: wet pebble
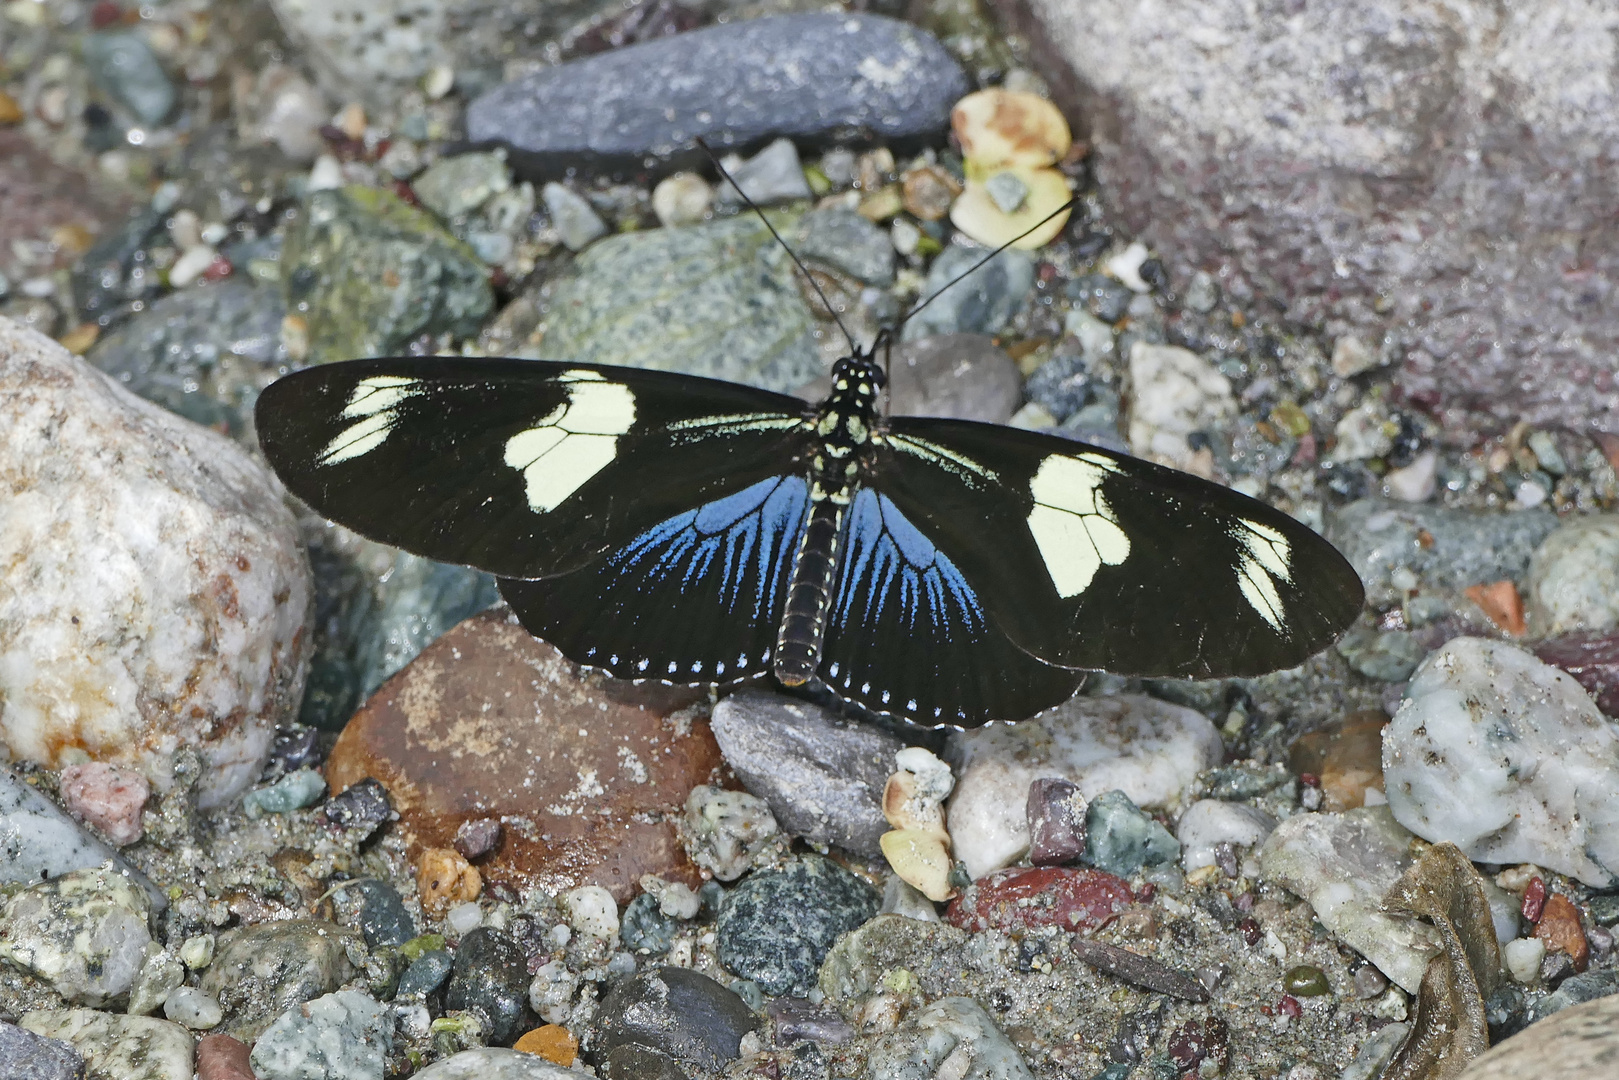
x,y
124,66
953,1036
491,979
477,837
575,220
358,810
126,1047
1208,823
220,1057
38,841
681,199
340,1036
262,971
1147,748
848,243
1121,839
494,1063
1056,816
83,933
773,175
799,76
383,917
777,926
292,792
101,489
551,993
724,831
1509,759
822,775
645,928
682,1014
1106,298
107,797
27,1056
190,1007
1022,899
1573,581
981,304
159,976
425,974
453,187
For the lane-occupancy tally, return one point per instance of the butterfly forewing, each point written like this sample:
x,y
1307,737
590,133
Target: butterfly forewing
x,y
522,468
1090,559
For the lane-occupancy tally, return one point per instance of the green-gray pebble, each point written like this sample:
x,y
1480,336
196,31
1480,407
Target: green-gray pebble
x,y
1121,838
1306,980
778,925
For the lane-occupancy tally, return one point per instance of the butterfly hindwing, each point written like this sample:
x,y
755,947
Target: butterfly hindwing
x,y
692,599
1091,559
519,467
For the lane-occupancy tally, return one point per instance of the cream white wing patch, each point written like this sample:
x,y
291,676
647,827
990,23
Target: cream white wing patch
x,y
374,407
578,440
1075,529
1263,560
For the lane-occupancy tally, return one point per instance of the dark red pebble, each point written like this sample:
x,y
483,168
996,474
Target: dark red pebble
x,y
1534,899
1290,1006
1250,931
1018,899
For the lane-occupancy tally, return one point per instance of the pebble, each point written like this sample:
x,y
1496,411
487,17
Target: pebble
x,y
902,898
1593,662
106,797
1025,898
1578,1043
1055,813
1416,482
848,243
1106,298
1573,583
1523,956
1121,839
491,979
1174,393
125,1047
1203,293
445,880
1147,748
263,970
1559,927
123,65
26,1056
285,109
602,809
645,928
190,1007
575,220
801,76
1400,548
83,933
682,198
132,652
718,299
1063,384
1344,864
678,1012
294,791
159,976
951,1037
821,774
370,273
551,993
359,810
383,917
453,187
1208,823
477,837
38,841
984,301
494,1063
425,974
551,1042
1306,980
591,910
341,1036
773,175
1509,759
1386,655
777,926
724,831
220,1057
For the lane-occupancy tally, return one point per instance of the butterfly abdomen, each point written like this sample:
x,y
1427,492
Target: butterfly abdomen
x,y
809,593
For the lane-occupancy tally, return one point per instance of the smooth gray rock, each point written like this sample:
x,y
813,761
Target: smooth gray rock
x,y
26,1056
453,187
345,1034
576,221
979,301
846,242
39,841
1578,1043
822,776
807,77
773,175
494,1063
84,933
777,926
679,1012
124,66
1391,168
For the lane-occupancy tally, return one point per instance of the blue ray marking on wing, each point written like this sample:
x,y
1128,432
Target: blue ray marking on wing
x,y
888,559
755,529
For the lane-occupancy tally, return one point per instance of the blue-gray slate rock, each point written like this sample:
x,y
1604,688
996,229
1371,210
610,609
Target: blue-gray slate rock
x,y
982,302
823,776
424,975
778,925
39,841
491,977
124,66
1461,547
1121,838
676,1012
26,1056
203,352
644,928
382,915
848,243
812,77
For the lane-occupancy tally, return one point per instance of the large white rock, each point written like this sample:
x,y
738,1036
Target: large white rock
x,y
1507,758
154,593
1149,749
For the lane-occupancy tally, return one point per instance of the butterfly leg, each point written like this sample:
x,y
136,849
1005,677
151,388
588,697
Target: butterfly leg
x,y
803,621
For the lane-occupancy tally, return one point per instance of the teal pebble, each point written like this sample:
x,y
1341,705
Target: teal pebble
x,y
1120,838
292,792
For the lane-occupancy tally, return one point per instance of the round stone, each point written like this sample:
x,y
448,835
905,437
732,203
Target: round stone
x,y
1306,980
778,925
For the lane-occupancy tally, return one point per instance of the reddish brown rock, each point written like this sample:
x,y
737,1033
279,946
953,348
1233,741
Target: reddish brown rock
x,y
1347,756
1559,928
586,774
220,1057
1594,663
107,797
1022,898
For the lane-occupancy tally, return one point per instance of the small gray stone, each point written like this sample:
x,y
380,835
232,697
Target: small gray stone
x,y
644,928
494,1063
1062,385
26,1056
902,898
846,242
491,978
84,933
359,810
39,841
123,65
1375,1052
190,1007
382,915
159,976
1574,578
453,187
1202,292
1389,655
576,221
1121,839
1209,823
984,302
822,775
1007,191
341,1036
954,1034
425,974
125,1047
263,970
294,791
675,1011
778,925
804,77
773,175
1575,990
725,830
1108,299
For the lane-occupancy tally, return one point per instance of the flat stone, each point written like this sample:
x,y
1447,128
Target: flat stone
x,y
1028,898
822,775
949,1031
1147,748
1573,584
453,187
680,1012
778,925
39,841
262,971
126,1047
487,722
575,220
1578,1043
425,974
157,593
26,1056
1055,812
341,1036
382,915
980,302
808,77
84,933
494,1063
1507,758
1344,864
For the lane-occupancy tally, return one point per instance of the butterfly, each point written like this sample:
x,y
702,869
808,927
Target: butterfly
x,y
667,527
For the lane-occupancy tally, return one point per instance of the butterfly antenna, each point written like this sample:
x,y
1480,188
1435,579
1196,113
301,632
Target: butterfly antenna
x,y
853,348
1064,208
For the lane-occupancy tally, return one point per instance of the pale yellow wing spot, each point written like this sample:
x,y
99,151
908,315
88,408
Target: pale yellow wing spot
x,y
1074,528
575,442
374,406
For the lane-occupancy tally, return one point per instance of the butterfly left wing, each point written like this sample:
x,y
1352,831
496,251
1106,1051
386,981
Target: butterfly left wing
x,y
1090,559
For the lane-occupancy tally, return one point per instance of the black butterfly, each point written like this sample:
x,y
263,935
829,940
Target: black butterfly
x,y
663,526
